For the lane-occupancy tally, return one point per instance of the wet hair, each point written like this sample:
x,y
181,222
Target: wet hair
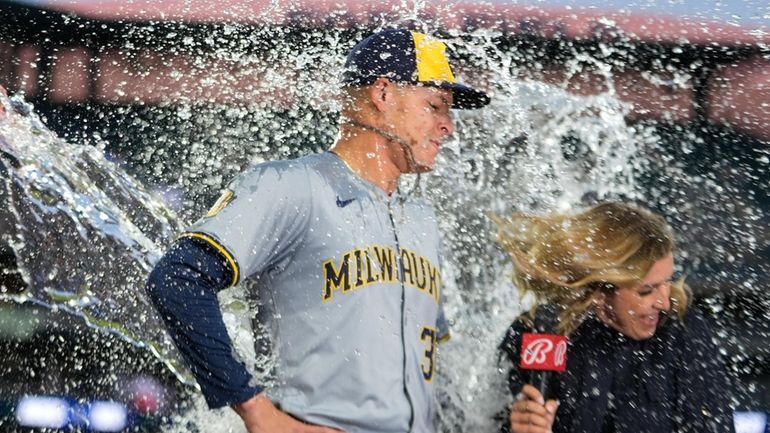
x,y
572,260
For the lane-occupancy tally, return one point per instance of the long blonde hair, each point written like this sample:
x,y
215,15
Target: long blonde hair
x,y
571,260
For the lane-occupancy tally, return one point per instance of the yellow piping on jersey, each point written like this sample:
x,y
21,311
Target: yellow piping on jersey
x,y
219,248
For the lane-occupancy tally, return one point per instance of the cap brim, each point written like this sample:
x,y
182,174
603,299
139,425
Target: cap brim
x,y
465,97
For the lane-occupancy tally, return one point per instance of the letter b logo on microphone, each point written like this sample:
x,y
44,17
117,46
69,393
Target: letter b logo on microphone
x,y
544,352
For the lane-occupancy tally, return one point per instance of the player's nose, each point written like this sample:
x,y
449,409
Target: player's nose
x,y
446,126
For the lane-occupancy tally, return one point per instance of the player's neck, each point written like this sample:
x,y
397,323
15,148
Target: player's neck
x,y
366,153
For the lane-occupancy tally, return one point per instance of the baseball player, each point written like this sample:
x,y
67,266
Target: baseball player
x,y
346,266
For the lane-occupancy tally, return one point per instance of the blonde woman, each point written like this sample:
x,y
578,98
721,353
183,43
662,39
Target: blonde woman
x,y
638,359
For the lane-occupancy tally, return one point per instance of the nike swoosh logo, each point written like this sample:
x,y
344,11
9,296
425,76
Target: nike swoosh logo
x,y
342,203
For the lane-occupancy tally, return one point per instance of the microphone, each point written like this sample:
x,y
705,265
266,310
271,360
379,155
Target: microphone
x,y
543,351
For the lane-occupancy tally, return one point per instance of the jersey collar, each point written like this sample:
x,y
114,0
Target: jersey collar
x,y
363,187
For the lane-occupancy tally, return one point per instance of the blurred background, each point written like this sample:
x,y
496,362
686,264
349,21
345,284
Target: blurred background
x,y
127,118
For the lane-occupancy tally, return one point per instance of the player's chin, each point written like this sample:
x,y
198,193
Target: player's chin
x,y
426,161
423,169
424,165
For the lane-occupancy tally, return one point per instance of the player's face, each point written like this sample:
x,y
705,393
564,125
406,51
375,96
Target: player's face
x,y
421,118
636,311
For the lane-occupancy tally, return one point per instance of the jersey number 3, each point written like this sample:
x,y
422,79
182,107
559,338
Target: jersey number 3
x,y
428,337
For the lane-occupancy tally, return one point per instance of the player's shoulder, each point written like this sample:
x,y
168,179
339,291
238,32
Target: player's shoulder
x,y
282,166
420,204
282,171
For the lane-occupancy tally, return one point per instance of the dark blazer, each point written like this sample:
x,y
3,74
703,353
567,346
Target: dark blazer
x,y
674,382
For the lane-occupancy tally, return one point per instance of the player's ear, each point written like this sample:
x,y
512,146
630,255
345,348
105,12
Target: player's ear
x,y
381,93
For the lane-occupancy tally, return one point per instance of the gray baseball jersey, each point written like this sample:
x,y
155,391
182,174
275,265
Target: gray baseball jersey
x,y
350,280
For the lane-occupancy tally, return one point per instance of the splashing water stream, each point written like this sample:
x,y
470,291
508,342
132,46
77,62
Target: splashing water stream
x,y
85,233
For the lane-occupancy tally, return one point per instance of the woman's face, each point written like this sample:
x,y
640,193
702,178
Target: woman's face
x,y
636,311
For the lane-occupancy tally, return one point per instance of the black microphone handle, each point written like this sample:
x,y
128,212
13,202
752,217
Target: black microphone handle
x,y
539,379
545,321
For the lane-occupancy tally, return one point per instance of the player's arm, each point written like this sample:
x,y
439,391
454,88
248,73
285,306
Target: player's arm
x,y
260,415
183,287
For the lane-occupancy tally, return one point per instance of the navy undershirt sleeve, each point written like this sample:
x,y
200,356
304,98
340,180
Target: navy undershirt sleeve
x,y
183,287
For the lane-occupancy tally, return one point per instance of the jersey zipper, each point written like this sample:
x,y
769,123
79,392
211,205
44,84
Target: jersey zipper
x,y
403,314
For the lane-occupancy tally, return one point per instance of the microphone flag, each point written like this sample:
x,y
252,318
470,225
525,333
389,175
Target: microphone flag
x,y
543,352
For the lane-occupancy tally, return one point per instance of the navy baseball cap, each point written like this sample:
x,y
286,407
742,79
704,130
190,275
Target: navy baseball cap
x,y
409,57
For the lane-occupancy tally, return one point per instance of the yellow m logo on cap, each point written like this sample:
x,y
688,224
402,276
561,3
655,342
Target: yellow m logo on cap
x,y
432,63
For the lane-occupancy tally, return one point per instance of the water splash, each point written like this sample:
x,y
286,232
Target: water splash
x,y
536,148
83,233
